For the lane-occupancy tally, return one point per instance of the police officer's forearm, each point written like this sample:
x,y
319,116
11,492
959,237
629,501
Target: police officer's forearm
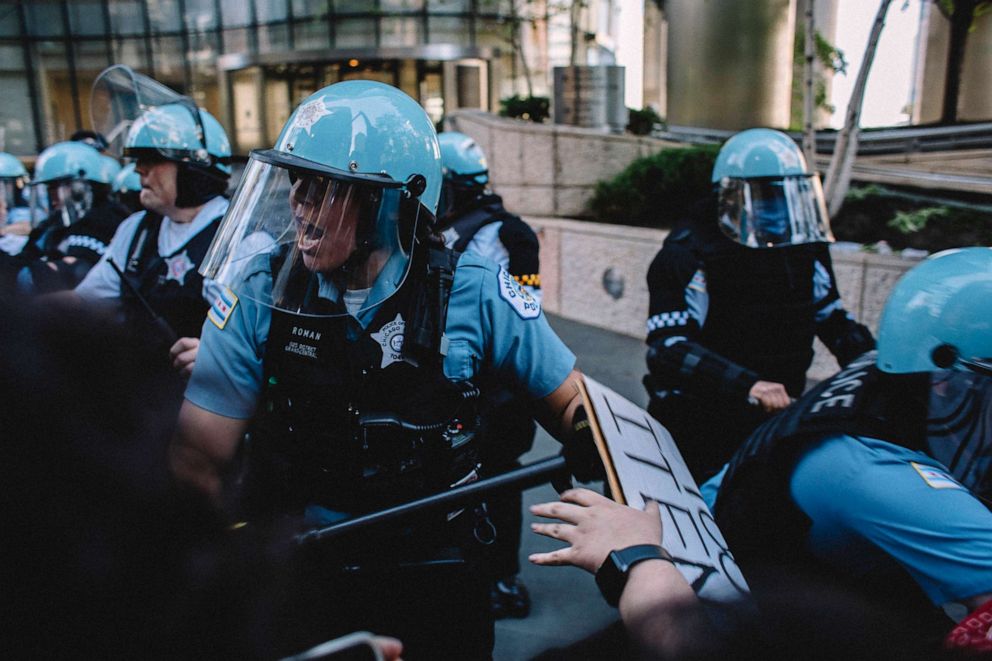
x,y
202,447
694,369
844,337
560,406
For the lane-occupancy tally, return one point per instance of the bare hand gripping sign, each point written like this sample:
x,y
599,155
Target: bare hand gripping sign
x,y
642,462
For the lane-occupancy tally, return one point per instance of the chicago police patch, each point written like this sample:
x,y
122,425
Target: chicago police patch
x,y
222,307
936,478
522,302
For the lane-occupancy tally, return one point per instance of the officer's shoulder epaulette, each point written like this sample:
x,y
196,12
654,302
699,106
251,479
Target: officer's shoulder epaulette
x,y
470,260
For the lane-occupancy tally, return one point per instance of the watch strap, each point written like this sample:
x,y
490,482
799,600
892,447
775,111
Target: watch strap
x,y
611,578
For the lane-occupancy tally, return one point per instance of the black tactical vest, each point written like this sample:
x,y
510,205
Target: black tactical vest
x,y
348,418
948,415
468,224
761,306
172,285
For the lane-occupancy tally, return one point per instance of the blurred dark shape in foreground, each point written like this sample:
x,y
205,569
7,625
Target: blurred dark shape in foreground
x,y
102,559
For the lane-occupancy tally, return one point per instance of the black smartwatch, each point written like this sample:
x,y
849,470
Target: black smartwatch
x,y
612,574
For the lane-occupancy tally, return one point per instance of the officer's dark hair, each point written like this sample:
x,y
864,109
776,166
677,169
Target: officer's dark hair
x,y
92,138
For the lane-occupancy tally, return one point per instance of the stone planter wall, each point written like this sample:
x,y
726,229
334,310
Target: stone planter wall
x,y
581,260
547,169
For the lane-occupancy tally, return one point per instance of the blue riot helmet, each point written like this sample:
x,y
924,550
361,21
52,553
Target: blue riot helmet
x,y
465,171
939,315
126,187
349,188
127,180
74,176
146,120
13,182
767,197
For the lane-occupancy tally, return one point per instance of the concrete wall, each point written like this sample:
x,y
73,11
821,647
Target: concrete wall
x,y
577,255
549,170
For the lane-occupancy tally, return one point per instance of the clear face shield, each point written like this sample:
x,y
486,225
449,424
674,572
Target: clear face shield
x,y
773,212
13,207
121,98
313,243
70,199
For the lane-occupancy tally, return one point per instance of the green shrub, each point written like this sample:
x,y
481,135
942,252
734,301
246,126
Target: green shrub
x,y
657,190
533,108
643,121
873,213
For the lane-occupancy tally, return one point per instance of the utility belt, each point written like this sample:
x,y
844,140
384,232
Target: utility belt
x,y
386,460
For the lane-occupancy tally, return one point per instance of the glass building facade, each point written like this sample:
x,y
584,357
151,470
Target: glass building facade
x,y
249,62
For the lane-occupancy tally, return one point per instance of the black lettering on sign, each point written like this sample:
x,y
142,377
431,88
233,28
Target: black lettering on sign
x,y
672,508
732,572
705,571
666,468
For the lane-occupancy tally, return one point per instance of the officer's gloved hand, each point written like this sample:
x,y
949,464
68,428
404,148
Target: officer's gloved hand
x,y
580,450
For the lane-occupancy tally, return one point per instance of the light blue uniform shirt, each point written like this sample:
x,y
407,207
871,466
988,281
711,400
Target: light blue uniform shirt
x,y
491,325
873,503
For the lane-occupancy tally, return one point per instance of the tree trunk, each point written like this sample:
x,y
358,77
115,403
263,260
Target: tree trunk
x,y
574,14
809,128
845,151
516,43
960,18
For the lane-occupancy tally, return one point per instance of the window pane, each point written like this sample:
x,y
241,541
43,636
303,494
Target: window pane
x,y
307,8
125,17
354,33
236,13
56,91
401,5
163,15
403,31
493,6
131,52
236,41
448,5
16,120
353,6
167,53
270,11
200,15
492,33
312,34
448,30
86,18
44,19
10,21
273,38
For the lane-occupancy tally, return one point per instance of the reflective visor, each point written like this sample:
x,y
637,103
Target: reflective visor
x,y
72,199
305,242
770,212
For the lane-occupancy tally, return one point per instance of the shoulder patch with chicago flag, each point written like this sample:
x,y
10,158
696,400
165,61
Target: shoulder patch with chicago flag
x,y
521,300
936,478
223,307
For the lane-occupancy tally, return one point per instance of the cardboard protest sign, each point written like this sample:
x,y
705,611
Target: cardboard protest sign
x,y
642,462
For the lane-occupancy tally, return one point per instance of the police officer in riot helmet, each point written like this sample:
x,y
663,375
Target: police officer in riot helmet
x,y
70,194
738,293
126,188
14,214
472,218
182,155
880,476
353,351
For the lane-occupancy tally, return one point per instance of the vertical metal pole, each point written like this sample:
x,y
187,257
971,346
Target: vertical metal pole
x,y
36,111
70,53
